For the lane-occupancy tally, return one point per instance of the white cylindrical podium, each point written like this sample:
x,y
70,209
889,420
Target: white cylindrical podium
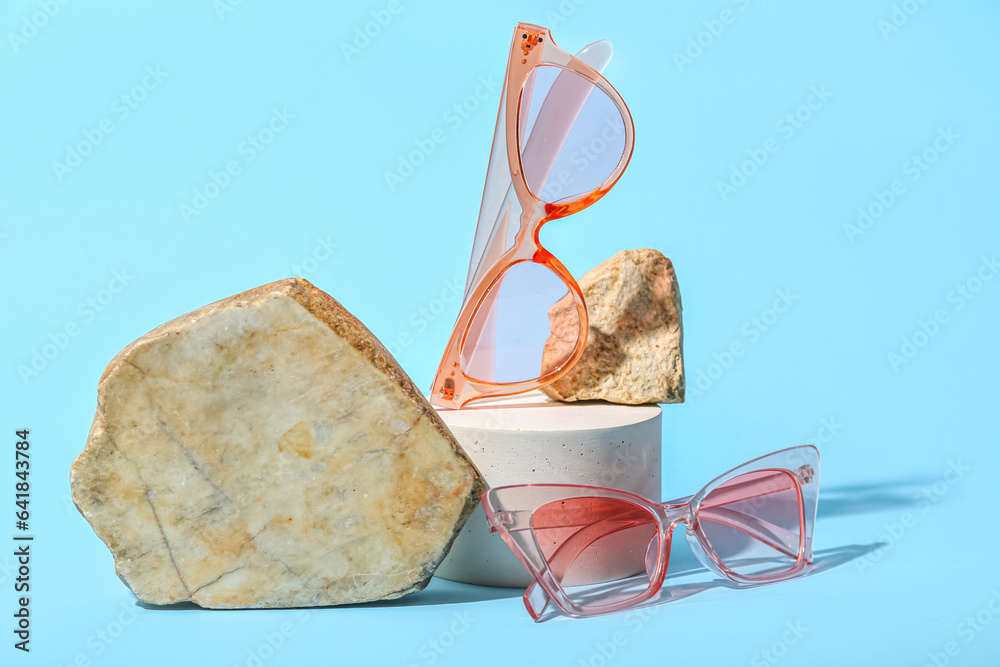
x,y
530,439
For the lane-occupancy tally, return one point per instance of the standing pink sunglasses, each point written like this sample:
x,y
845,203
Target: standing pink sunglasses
x,y
595,551
563,138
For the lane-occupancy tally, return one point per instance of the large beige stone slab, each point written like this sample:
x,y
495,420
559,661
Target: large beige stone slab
x,y
634,351
267,451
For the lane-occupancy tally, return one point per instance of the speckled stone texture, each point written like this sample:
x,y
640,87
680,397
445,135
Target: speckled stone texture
x,y
267,451
634,351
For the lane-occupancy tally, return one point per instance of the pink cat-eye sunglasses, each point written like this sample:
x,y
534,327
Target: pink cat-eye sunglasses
x,y
563,139
595,551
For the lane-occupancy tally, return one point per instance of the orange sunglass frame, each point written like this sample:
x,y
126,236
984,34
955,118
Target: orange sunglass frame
x,y
531,46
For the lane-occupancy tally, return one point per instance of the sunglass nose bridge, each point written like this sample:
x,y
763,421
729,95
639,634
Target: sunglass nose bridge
x,y
679,515
675,514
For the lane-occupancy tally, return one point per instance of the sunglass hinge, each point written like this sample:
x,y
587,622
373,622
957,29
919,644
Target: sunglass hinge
x,y
503,518
805,473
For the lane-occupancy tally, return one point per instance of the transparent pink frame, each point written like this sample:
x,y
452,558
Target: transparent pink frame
x,y
510,511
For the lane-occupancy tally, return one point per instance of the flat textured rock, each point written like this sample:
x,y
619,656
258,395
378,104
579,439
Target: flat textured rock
x,y
267,451
634,351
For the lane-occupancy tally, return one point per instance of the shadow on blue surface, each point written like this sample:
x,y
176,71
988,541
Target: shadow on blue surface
x,y
834,502
871,498
442,591
438,592
825,559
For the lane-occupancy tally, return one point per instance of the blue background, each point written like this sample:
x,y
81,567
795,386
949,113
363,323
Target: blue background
x,y
912,546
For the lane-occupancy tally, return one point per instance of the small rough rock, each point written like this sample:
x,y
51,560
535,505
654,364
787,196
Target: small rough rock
x,y
634,351
267,451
